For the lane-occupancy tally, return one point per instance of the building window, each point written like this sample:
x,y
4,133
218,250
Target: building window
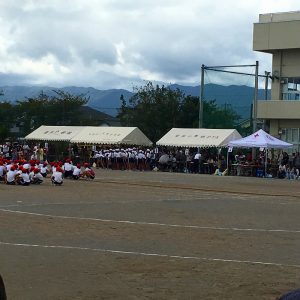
x,y
291,135
290,88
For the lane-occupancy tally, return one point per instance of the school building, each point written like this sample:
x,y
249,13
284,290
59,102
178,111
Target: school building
x,y
278,34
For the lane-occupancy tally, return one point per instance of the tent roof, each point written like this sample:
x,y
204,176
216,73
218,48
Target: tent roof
x,y
90,135
111,135
259,139
54,133
198,137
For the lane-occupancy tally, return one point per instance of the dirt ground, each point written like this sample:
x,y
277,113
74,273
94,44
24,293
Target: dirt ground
x,y
148,235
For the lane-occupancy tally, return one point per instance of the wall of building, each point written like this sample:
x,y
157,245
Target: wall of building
x,y
273,36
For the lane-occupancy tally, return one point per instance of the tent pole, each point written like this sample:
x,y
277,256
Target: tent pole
x,y
266,161
227,161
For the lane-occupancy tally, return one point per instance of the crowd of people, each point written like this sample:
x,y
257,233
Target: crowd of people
x,y
185,160
22,172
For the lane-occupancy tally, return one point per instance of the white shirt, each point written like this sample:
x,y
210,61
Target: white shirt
x,y
2,169
197,156
76,171
25,177
58,177
44,170
38,176
10,176
68,166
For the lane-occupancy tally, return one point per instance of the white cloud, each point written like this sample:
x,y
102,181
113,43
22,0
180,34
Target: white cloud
x,y
110,43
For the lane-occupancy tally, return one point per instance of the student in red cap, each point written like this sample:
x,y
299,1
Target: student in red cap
x,y
23,178
88,172
37,177
10,176
77,172
57,176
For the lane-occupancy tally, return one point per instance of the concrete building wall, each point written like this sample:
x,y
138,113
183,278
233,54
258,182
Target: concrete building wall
x,y
273,36
279,35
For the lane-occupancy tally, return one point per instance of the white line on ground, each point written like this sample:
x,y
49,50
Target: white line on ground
x,y
152,223
151,254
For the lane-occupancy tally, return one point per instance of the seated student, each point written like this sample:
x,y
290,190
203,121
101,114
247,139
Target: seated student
x,y
68,168
2,171
37,177
77,172
44,169
10,176
23,178
281,171
57,176
88,172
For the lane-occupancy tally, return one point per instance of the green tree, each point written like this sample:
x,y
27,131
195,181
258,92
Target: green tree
x,y
215,116
60,109
7,115
154,109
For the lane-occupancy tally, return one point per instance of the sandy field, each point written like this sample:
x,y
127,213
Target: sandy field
x,y
151,235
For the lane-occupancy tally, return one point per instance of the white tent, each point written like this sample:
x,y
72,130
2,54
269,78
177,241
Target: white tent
x,y
90,135
54,133
111,135
198,137
260,139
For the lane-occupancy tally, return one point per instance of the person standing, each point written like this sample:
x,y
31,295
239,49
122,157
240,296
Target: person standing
x,y
296,162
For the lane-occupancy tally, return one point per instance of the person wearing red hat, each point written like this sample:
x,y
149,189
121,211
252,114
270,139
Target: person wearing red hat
x,y
68,168
2,170
10,176
77,172
57,176
44,169
24,179
88,173
37,177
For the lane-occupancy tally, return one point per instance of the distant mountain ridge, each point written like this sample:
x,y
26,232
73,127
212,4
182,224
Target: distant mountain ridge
x,y
108,101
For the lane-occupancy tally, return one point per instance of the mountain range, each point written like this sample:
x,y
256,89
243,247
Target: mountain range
x,y
239,97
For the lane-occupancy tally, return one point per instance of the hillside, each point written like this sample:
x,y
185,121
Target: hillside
x,y
108,101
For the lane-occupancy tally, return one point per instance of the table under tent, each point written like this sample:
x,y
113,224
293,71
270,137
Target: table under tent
x,y
196,139
259,139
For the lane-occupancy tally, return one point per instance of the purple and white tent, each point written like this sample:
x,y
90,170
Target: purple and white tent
x,y
259,139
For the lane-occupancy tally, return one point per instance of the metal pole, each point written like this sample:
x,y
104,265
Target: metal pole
x,y
201,98
254,112
266,84
254,115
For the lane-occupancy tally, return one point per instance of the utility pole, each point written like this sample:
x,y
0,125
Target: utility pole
x,y
266,84
201,98
254,113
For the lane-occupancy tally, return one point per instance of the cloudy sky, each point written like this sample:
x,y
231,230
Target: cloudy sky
x,y
119,43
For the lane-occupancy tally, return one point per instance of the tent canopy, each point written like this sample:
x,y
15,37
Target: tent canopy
x,y
90,135
198,137
54,133
111,135
259,139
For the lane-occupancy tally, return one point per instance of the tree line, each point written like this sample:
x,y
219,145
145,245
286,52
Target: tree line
x,y
29,114
154,109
